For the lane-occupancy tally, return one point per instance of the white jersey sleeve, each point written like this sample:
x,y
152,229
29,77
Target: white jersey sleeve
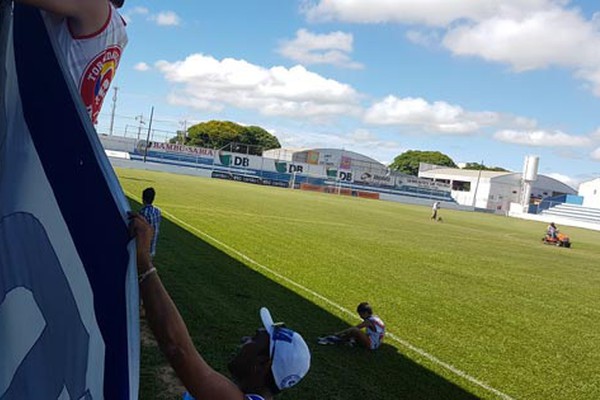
x,y
93,59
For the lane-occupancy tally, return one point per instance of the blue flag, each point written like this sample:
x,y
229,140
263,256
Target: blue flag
x,y
68,285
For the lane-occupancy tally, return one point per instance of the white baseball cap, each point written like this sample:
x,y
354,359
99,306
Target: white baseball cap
x,y
290,357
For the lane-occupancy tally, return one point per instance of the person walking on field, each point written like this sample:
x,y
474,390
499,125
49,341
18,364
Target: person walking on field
x,y
434,210
152,215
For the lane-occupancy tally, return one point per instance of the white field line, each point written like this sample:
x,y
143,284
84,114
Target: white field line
x,y
402,342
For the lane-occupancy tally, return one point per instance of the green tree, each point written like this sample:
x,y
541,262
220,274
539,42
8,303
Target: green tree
x,y
408,162
256,135
483,167
217,134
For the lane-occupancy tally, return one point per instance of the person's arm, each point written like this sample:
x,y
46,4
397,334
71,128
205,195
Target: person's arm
x,y
85,16
144,212
345,331
170,330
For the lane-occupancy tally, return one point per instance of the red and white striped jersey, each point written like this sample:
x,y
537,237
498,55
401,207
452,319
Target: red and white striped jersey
x,y
92,59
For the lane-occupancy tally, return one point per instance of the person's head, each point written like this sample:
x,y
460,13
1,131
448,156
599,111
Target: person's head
x,y
148,195
275,358
364,310
552,224
117,3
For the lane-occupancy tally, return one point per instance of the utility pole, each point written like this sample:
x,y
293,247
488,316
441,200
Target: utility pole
x,y
477,185
148,137
184,123
140,118
114,106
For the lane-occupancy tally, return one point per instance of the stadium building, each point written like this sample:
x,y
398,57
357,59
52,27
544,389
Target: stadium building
x,y
590,191
335,171
494,190
333,158
338,171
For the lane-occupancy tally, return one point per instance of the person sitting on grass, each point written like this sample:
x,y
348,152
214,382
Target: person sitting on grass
x,y
275,358
371,337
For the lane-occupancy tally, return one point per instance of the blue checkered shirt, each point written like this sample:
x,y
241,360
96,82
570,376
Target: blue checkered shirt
x,y
153,216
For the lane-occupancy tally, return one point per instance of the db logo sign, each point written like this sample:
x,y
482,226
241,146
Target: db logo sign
x,y
241,161
345,176
296,169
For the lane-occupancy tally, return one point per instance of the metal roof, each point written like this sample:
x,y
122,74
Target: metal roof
x,y
466,173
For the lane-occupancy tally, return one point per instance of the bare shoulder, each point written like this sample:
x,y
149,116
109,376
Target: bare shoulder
x,y
93,9
89,16
86,17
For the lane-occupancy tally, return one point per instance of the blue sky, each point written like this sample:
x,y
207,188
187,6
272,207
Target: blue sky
x,y
491,80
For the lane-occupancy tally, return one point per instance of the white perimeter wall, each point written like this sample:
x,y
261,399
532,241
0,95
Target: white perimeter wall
x,y
117,143
501,195
466,198
590,191
516,211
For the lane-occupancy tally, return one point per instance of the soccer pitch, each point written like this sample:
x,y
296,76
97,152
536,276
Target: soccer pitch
x,y
475,306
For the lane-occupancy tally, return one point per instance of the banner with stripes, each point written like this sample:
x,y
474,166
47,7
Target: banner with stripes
x,y
68,289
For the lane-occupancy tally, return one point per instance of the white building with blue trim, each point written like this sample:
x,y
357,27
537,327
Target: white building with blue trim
x,y
590,191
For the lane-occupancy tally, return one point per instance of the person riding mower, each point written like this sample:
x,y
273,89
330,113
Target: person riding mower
x,y
555,237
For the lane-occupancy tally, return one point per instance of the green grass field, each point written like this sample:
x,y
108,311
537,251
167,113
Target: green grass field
x,y
475,307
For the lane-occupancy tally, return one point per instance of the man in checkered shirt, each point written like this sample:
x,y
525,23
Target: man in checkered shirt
x,y
91,37
152,215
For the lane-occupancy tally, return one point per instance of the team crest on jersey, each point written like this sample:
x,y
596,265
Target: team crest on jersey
x,y
96,79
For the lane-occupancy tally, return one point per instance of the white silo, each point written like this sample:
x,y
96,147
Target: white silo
x,y
530,175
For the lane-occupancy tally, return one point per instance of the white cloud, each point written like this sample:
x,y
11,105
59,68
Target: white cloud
x,y
596,19
548,37
139,10
595,155
438,117
524,34
423,38
360,141
311,48
203,82
166,18
541,138
427,12
130,13
593,77
363,135
141,66
379,11
364,139
523,123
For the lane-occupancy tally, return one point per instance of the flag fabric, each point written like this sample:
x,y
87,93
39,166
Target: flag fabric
x,y
68,285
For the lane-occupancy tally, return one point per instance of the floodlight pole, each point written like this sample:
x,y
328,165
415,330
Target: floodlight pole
x,y
140,118
477,184
184,123
112,114
148,136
